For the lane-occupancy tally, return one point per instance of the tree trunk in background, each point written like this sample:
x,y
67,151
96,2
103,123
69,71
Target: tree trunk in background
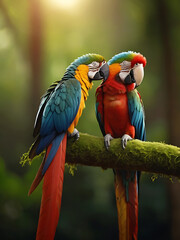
x,y
10,24
35,55
172,106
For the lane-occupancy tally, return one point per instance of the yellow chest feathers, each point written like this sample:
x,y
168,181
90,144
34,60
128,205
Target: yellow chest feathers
x,y
81,75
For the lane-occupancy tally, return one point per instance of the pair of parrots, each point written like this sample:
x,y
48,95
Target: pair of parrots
x,y
120,114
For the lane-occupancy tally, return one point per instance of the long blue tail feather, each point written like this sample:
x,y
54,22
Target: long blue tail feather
x,y
45,141
55,145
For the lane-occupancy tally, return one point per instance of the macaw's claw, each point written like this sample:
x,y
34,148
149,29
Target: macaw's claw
x,y
107,140
74,134
124,140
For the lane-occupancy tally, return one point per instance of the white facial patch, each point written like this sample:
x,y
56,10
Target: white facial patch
x,y
94,65
125,69
93,69
125,65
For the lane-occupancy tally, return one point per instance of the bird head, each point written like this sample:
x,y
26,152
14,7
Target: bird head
x,y
94,65
131,67
98,69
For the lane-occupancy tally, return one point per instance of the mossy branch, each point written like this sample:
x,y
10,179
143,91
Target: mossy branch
x,y
151,157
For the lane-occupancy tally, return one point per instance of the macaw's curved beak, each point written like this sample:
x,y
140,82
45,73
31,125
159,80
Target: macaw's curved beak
x,y
130,78
103,73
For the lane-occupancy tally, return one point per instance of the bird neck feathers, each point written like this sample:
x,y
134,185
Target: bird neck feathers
x,y
81,74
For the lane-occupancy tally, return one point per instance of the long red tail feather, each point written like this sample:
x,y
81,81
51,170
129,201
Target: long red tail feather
x,y
127,210
51,195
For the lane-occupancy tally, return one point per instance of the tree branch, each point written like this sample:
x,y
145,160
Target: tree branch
x,y
152,157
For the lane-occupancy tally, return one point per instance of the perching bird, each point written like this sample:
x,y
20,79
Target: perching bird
x,y
59,111
120,114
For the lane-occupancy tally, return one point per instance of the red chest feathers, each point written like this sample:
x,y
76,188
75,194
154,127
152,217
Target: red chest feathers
x,y
116,115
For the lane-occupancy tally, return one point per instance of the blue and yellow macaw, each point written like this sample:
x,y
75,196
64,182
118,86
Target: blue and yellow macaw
x,y
120,113
59,112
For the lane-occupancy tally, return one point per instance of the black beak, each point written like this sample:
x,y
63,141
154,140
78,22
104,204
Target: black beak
x,y
130,78
103,73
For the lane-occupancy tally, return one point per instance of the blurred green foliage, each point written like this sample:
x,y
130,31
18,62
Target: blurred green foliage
x,y
106,27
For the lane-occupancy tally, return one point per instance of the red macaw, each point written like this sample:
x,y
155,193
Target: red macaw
x,y
58,114
120,113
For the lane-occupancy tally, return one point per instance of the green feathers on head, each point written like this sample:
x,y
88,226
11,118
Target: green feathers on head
x,y
88,58
85,59
130,56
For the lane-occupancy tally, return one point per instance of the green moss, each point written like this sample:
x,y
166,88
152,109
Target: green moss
x,y
154,157
154,177
25,157
71,167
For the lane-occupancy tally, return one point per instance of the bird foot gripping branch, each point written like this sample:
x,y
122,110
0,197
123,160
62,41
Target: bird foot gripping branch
x,y
125,138
107,139
74,134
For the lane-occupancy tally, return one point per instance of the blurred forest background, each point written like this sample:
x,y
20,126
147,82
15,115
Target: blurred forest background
x,y
38,40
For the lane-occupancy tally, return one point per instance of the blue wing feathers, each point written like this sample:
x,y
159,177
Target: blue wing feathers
x,y
59,112
52,107
37,124
136,113
47,125
55,115
45,141
46,111
99,106
57,101
62,106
